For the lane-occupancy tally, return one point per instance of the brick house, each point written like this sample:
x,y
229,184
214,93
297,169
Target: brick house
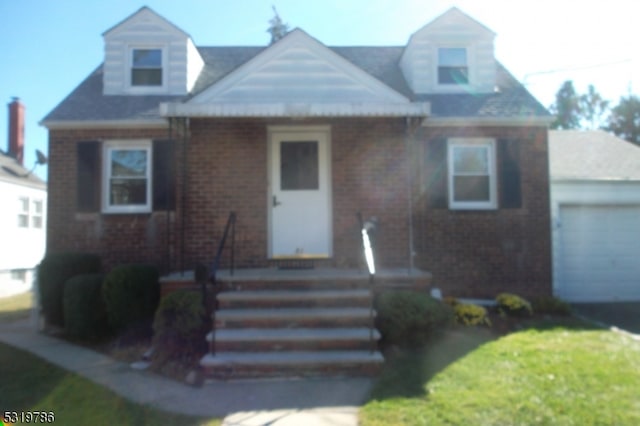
x,y
436,139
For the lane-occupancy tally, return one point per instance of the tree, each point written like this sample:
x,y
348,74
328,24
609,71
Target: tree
x,y
567,108
592,108
624,120
277,28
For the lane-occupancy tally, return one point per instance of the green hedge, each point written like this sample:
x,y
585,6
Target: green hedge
x,y
409,319
85,316
131,294
180,326
54,270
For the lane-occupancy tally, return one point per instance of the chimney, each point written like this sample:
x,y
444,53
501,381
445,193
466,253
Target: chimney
x,y
16,130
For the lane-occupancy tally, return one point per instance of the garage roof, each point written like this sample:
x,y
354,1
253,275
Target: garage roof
x,y
592,155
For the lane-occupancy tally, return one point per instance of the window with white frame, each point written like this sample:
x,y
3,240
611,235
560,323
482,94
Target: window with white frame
x,y
472,173
146,68
453,67
36,215
23,212
30,212
127,176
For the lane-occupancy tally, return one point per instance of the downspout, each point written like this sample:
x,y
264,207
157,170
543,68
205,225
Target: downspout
x,y
168,215
407,139
185,137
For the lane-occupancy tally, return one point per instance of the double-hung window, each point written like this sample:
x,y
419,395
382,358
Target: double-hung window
x,y
453,66
23,212
472,173
127,176
146,67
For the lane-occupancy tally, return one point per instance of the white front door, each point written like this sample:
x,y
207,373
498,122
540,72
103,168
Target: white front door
x,y
299,192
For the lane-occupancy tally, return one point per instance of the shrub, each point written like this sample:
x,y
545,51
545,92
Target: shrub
x,y
85,316
513,305
180,326
551,305
451,301
53,272
409,319
468,314
131,294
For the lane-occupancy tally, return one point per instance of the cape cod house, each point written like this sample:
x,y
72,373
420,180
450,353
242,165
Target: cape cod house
x,y
435,139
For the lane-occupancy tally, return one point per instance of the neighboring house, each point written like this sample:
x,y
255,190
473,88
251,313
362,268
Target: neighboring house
x,y
595,205
436,139
23,216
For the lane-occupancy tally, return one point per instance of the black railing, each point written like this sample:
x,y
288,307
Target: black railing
x,y
367,249
230,228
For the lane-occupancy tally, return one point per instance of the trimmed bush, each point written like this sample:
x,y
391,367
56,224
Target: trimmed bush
x,y
469,314
180,326
551,305
513,305
54,270
131,294
409,319
85,316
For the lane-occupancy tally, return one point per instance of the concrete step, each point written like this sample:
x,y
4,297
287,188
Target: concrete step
x,y
294,284
303,363
297,339
293,298
293,317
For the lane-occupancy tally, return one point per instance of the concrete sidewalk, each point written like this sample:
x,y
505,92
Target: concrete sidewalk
x,y
317,401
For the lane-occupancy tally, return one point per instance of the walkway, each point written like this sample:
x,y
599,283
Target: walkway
x,y
318,401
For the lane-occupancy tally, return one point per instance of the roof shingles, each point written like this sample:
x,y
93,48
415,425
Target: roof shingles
x,y
87,102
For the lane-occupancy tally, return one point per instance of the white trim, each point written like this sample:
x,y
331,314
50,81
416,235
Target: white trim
x,y
297,38
145,90
176,109
490,144
160,123
275,134
486,121
471,68
139,144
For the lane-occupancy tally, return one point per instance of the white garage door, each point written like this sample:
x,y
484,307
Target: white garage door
x,y
599,256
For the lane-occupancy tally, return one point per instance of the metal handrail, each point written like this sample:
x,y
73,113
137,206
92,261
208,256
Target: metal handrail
x,y
367,250
229,227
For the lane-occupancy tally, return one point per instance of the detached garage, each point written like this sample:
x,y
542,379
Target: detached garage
x,y
595,209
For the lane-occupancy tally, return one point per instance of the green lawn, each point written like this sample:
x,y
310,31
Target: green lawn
x,y
15,307
29,383
563,373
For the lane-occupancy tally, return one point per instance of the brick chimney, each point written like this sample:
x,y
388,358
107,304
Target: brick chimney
x,y
16,130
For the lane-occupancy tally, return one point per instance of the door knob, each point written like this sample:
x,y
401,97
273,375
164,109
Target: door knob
x,y
276,203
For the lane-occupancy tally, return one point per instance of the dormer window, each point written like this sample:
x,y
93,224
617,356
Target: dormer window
x,y
453,66
146,67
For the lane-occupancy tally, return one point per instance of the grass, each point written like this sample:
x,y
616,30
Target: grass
x,y
15,307
29,383
559,372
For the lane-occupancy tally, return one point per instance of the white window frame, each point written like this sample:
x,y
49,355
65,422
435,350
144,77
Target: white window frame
x,y
24,216
490,145
131,144
445,87
129,68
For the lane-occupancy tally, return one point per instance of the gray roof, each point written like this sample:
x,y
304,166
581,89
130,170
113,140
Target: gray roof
x,y
11,171
87,103
592,155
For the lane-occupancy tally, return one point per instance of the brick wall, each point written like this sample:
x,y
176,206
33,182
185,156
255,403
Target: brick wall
x,y
226,170
481,253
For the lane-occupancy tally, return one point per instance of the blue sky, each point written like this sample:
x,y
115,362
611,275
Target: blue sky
x,y
47,47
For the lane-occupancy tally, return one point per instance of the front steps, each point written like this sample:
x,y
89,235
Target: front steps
x,y
293,327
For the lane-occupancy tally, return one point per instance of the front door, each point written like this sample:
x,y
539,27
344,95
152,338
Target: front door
x,y
300,193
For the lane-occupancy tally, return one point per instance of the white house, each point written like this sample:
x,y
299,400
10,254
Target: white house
x,y
595,209
23,216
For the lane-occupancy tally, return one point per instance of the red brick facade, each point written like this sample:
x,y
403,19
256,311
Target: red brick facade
x,y
471,253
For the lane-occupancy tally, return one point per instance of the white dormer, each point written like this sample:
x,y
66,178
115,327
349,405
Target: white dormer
x,y
147,55
452,54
